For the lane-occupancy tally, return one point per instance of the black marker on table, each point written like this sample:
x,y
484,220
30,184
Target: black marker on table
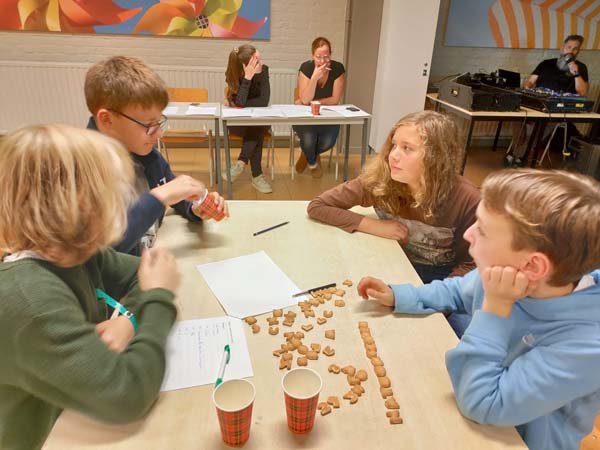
x,y
270,228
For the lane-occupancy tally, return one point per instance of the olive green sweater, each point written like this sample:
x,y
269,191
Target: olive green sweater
x,y
52,358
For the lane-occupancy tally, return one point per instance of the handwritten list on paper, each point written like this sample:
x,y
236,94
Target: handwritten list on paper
x,y
195,349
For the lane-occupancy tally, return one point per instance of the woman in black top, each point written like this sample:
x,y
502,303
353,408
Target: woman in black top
x,y
321,79
248,85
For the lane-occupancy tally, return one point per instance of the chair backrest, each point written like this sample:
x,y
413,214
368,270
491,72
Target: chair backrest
x,y
195,95
296,94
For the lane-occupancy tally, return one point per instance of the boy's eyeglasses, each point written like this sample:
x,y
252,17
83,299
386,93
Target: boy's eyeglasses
x,y
151,128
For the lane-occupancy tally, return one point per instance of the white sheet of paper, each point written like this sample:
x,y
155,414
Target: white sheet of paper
x,y
170,111
267,112
294,110
201,110
236,112
344,111
249,285
195,349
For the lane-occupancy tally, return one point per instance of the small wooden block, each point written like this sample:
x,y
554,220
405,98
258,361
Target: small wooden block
x,y
321,320
328,351
250,320
307,327
273,330
362,375
334,368
312,355
385,392
330,334
255,328
333,401
384,382
380,371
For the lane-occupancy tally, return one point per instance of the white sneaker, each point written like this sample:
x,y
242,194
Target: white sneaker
x,y
261,184
235,171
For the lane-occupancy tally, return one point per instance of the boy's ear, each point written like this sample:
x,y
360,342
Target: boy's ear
x,y
103,119
538,267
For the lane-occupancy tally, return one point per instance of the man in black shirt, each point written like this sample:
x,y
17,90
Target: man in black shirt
x,y
564,73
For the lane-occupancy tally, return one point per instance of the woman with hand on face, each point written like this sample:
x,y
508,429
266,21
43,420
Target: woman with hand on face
x,y
248,85
320,79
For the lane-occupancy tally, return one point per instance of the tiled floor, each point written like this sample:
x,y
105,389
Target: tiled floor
x,y
195,162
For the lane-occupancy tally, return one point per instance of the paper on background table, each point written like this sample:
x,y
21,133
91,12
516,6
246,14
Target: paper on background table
x,y
267,112
342,109
236,112
195,348
201,110
249,285
170,110
295,110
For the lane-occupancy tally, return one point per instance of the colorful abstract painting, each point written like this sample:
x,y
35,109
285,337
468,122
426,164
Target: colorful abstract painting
x,y
522,23
235,19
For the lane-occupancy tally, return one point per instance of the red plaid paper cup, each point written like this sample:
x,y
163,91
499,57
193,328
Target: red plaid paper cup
x,y
315,107
234,400
208,206
301,388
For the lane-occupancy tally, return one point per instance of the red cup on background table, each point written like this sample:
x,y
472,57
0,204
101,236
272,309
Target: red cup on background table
x,y
301,388
208,206
234,400
315,107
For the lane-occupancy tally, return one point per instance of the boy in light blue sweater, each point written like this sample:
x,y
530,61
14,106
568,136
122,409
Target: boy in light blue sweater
x,y
531,356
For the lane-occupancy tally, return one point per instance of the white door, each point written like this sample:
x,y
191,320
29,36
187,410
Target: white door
x,y
405,49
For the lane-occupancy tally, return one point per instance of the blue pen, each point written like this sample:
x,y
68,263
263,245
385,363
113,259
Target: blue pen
x,y
224,362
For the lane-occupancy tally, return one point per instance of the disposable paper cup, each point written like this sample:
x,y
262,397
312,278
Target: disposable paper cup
x,y
234,400
301,389
208,206
315,107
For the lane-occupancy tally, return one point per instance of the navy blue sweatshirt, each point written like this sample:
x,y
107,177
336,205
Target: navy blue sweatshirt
x,y
147,209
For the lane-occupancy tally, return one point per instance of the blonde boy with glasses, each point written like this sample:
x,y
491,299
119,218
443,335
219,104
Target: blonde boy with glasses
x,y
126,99
530,357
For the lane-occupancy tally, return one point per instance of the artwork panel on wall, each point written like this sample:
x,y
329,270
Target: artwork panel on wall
x,y
230,19
522,23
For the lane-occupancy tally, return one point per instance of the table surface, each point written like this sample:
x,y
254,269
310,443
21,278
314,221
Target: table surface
x,y
311,254
522,113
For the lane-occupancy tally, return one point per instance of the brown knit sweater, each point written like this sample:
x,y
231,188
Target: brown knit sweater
x,y
433,241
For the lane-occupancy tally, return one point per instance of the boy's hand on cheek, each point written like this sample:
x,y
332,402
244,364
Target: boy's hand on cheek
x,y
369,287
503,286
116,333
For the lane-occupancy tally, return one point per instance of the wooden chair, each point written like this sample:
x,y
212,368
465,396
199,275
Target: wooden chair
x,y
184,135
269,140
293,142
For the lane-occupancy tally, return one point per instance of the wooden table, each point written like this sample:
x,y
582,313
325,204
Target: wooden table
x,y
327,117
531,115
311,254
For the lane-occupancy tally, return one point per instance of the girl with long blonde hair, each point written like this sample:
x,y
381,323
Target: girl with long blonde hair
x,y
419,198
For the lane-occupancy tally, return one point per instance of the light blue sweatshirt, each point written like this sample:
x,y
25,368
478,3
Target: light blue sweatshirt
x,y
538,370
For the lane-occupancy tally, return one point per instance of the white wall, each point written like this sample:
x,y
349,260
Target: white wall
x,y
31,63
405,47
